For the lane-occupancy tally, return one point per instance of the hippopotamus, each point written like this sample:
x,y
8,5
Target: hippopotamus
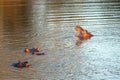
x,y
20,64
32,50
82,34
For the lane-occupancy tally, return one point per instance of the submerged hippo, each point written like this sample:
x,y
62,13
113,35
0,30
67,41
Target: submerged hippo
x,y
82,34
21,64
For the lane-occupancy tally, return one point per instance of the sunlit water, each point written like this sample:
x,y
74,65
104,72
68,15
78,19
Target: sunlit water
x,y
49,24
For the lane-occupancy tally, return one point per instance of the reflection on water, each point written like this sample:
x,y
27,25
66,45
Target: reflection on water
x,y
49,24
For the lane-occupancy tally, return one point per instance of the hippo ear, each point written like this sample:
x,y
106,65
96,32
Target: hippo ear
x,y
38,49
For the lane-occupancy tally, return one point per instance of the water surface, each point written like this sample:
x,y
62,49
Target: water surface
x,y
49,24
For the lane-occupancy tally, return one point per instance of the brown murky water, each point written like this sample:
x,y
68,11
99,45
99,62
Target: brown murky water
x,y
49,24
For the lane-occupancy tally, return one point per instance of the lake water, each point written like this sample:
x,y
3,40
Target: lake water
x,y
49,24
